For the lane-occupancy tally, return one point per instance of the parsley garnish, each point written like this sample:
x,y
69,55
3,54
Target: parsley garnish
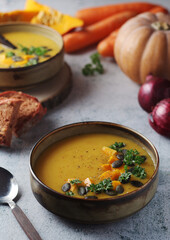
x,y
31,61
10,54
138,172
117,146
132,157
95,66
102,186
75,181
70,193
39,51
125,177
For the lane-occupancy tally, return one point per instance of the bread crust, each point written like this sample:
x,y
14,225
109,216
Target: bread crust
x,y
30,113
9,109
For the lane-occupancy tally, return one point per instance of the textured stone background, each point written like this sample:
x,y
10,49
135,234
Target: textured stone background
x,y
109,97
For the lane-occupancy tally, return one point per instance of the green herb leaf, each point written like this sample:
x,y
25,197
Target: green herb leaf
x,y
125,177
102,186
132,157
138,172
75,181
88,70
70,193
32,61
140,159
10,54
96,66
117,145
39,51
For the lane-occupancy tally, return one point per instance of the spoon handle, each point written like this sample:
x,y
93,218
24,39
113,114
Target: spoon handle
x,y
24,222
4,41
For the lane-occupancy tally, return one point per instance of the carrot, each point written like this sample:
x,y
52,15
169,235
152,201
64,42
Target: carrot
x,y
158,9
105,47
95,14
94,33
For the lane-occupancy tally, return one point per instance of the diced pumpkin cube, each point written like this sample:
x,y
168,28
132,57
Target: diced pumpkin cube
x,y
108,151
106,167
112,159
112,174
115,184
88,181
27,57
122,168
73,186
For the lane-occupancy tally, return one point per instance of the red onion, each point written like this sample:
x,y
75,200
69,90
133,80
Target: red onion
x,y
160,117
152,91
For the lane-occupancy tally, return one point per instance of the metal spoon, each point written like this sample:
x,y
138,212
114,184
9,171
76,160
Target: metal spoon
x,y
8,191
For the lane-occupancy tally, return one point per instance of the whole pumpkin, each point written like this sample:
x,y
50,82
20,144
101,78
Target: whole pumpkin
x,y
142,46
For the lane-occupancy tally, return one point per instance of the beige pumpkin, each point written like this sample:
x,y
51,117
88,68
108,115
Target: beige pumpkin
x,y
143,46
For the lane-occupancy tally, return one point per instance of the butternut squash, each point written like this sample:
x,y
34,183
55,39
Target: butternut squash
x,y
17,16
51,17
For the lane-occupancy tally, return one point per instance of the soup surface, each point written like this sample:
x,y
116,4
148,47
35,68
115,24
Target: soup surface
x,y
85,166
31,49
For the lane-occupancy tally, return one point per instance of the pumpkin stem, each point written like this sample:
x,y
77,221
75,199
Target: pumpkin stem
x,y
160,25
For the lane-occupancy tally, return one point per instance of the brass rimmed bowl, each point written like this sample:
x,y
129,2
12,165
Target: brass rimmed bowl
x,y
100,210
27,77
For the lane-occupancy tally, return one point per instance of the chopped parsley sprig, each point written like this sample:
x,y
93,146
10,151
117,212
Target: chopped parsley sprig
x,y
39,51
138,172
102,186
95,66
125,177
10,54
75,181
70,193
132,157
117,146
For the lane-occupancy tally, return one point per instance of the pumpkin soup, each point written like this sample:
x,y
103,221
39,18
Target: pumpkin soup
x,y
94,166
31,49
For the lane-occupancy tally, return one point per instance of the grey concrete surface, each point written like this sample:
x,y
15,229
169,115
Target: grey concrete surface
x,y
108,97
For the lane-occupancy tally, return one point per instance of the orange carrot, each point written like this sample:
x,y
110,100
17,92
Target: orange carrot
x,y
105,47
158,9
94,33
95,14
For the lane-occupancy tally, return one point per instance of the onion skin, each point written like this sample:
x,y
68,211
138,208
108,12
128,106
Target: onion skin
x,y
159,119
152,91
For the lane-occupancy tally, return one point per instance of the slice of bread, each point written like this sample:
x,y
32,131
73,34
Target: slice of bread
x,y
9,109
30,113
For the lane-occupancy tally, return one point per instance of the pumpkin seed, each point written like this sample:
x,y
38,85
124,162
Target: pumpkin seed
x,y
111,192
120,156
66,187
17,58
124,151
81,191
136,183
91,197
117,164
119,189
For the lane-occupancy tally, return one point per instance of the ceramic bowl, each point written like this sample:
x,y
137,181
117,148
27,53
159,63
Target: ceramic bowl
x,y
26,77
100,210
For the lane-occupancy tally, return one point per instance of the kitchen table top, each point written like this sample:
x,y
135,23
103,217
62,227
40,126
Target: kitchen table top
x,y
109,97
